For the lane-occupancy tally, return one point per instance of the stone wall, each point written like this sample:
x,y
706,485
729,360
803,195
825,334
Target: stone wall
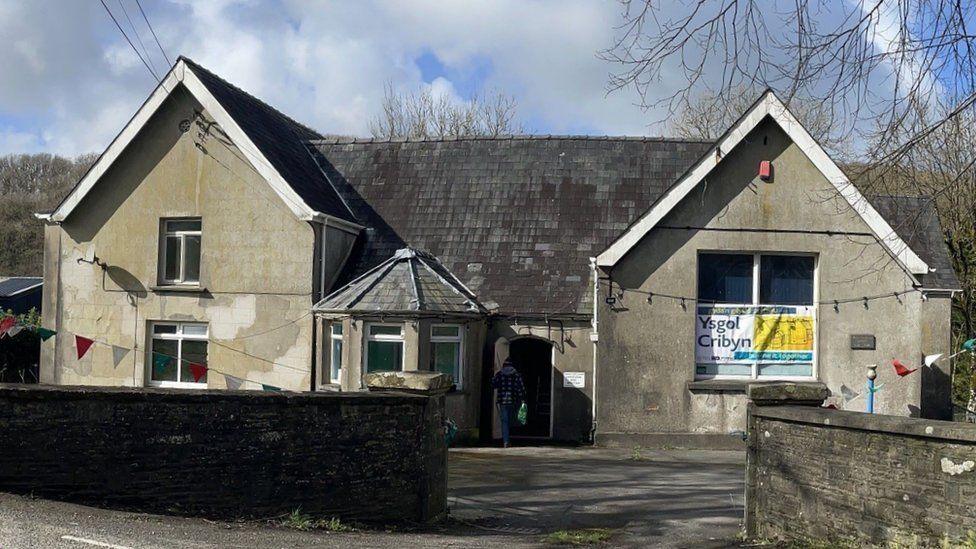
x,y
828,475
359,456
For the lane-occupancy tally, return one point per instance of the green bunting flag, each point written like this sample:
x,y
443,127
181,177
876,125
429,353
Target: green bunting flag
x,y
969,344
160,363
265,387
45,333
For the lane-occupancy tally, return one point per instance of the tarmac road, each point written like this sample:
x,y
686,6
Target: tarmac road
x,y
498,498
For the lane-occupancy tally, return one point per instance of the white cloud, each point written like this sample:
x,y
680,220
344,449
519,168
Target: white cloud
x,y
325,63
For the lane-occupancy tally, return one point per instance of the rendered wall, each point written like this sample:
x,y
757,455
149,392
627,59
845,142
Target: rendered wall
x,y
646,350
463,405
833,476
228,454
573,352
257,267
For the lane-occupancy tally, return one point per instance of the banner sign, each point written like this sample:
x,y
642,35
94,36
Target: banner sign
x,y
749,333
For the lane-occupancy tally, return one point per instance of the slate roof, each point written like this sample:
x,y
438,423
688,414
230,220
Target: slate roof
x,y
280,139
11,286
411,281
915,221
515,218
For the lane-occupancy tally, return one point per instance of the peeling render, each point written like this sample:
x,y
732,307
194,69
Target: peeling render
x,y
256,263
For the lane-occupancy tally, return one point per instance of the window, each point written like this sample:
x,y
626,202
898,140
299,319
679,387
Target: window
x,y
446,349
335,355
175,346
755,316
384,348
181,251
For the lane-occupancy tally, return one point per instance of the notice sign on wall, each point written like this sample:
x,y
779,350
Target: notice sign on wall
x,y
576,380
746,334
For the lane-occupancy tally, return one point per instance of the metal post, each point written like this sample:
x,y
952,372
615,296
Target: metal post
x,y
872,374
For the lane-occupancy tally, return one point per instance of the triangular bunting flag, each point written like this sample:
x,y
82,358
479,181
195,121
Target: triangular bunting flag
x,y
233,383
969,344
82,344
118,353
930,359
14,330
265,387
45,333
160,363
901,369
198,371
877,387
849,394
7,323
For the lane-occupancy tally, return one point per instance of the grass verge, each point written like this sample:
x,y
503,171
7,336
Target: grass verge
x,y
586,536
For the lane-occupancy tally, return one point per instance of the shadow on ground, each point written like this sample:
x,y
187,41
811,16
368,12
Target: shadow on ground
x,y
675,498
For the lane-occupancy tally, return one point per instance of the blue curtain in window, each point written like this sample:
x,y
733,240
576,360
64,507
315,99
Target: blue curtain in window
x,y
786,280
725,278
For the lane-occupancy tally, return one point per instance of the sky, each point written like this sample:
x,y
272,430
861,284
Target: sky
x,y
70,81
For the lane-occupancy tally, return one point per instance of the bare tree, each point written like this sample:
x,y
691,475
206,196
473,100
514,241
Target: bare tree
x,y
940,168
866,60
707,116
422,114
900,75
29,184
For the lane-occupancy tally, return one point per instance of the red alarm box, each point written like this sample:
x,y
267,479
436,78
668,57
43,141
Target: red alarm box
x,y
765,170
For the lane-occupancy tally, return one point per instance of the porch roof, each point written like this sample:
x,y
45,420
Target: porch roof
x,y
411,281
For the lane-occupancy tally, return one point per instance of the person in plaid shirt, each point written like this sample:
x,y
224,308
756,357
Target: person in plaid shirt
x,y
510,393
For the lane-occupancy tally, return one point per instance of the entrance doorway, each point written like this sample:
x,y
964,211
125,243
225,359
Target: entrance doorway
x,y
533,360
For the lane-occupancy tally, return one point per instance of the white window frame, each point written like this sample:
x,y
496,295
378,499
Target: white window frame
x,y
385,338
179,337
333,337
166,234
756,270
459,339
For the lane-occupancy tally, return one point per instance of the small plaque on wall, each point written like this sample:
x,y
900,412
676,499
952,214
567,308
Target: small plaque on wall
x,y
863,342
576,380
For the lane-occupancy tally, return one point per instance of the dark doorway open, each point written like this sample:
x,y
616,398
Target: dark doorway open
x,y
533,359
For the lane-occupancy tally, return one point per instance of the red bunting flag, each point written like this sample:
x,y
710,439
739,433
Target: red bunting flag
x,y
900,368
83,344
198,371
7,323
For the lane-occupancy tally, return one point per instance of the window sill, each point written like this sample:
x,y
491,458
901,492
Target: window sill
x,y
735,385
177,385
177,288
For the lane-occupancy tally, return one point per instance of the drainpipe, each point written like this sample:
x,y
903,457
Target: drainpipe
x,y
594,336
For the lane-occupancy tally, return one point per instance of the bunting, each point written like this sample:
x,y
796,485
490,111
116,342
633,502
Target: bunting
x,y
118,354
901,369
82,344
160,363
930,359
45,333
6,324
234,383
848,393
14,330
198,371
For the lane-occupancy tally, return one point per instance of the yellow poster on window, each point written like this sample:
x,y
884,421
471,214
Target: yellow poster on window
x,y
783,332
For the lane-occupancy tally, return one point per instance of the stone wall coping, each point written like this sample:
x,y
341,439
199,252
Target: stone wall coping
x,y
415,381
908,426
130,394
